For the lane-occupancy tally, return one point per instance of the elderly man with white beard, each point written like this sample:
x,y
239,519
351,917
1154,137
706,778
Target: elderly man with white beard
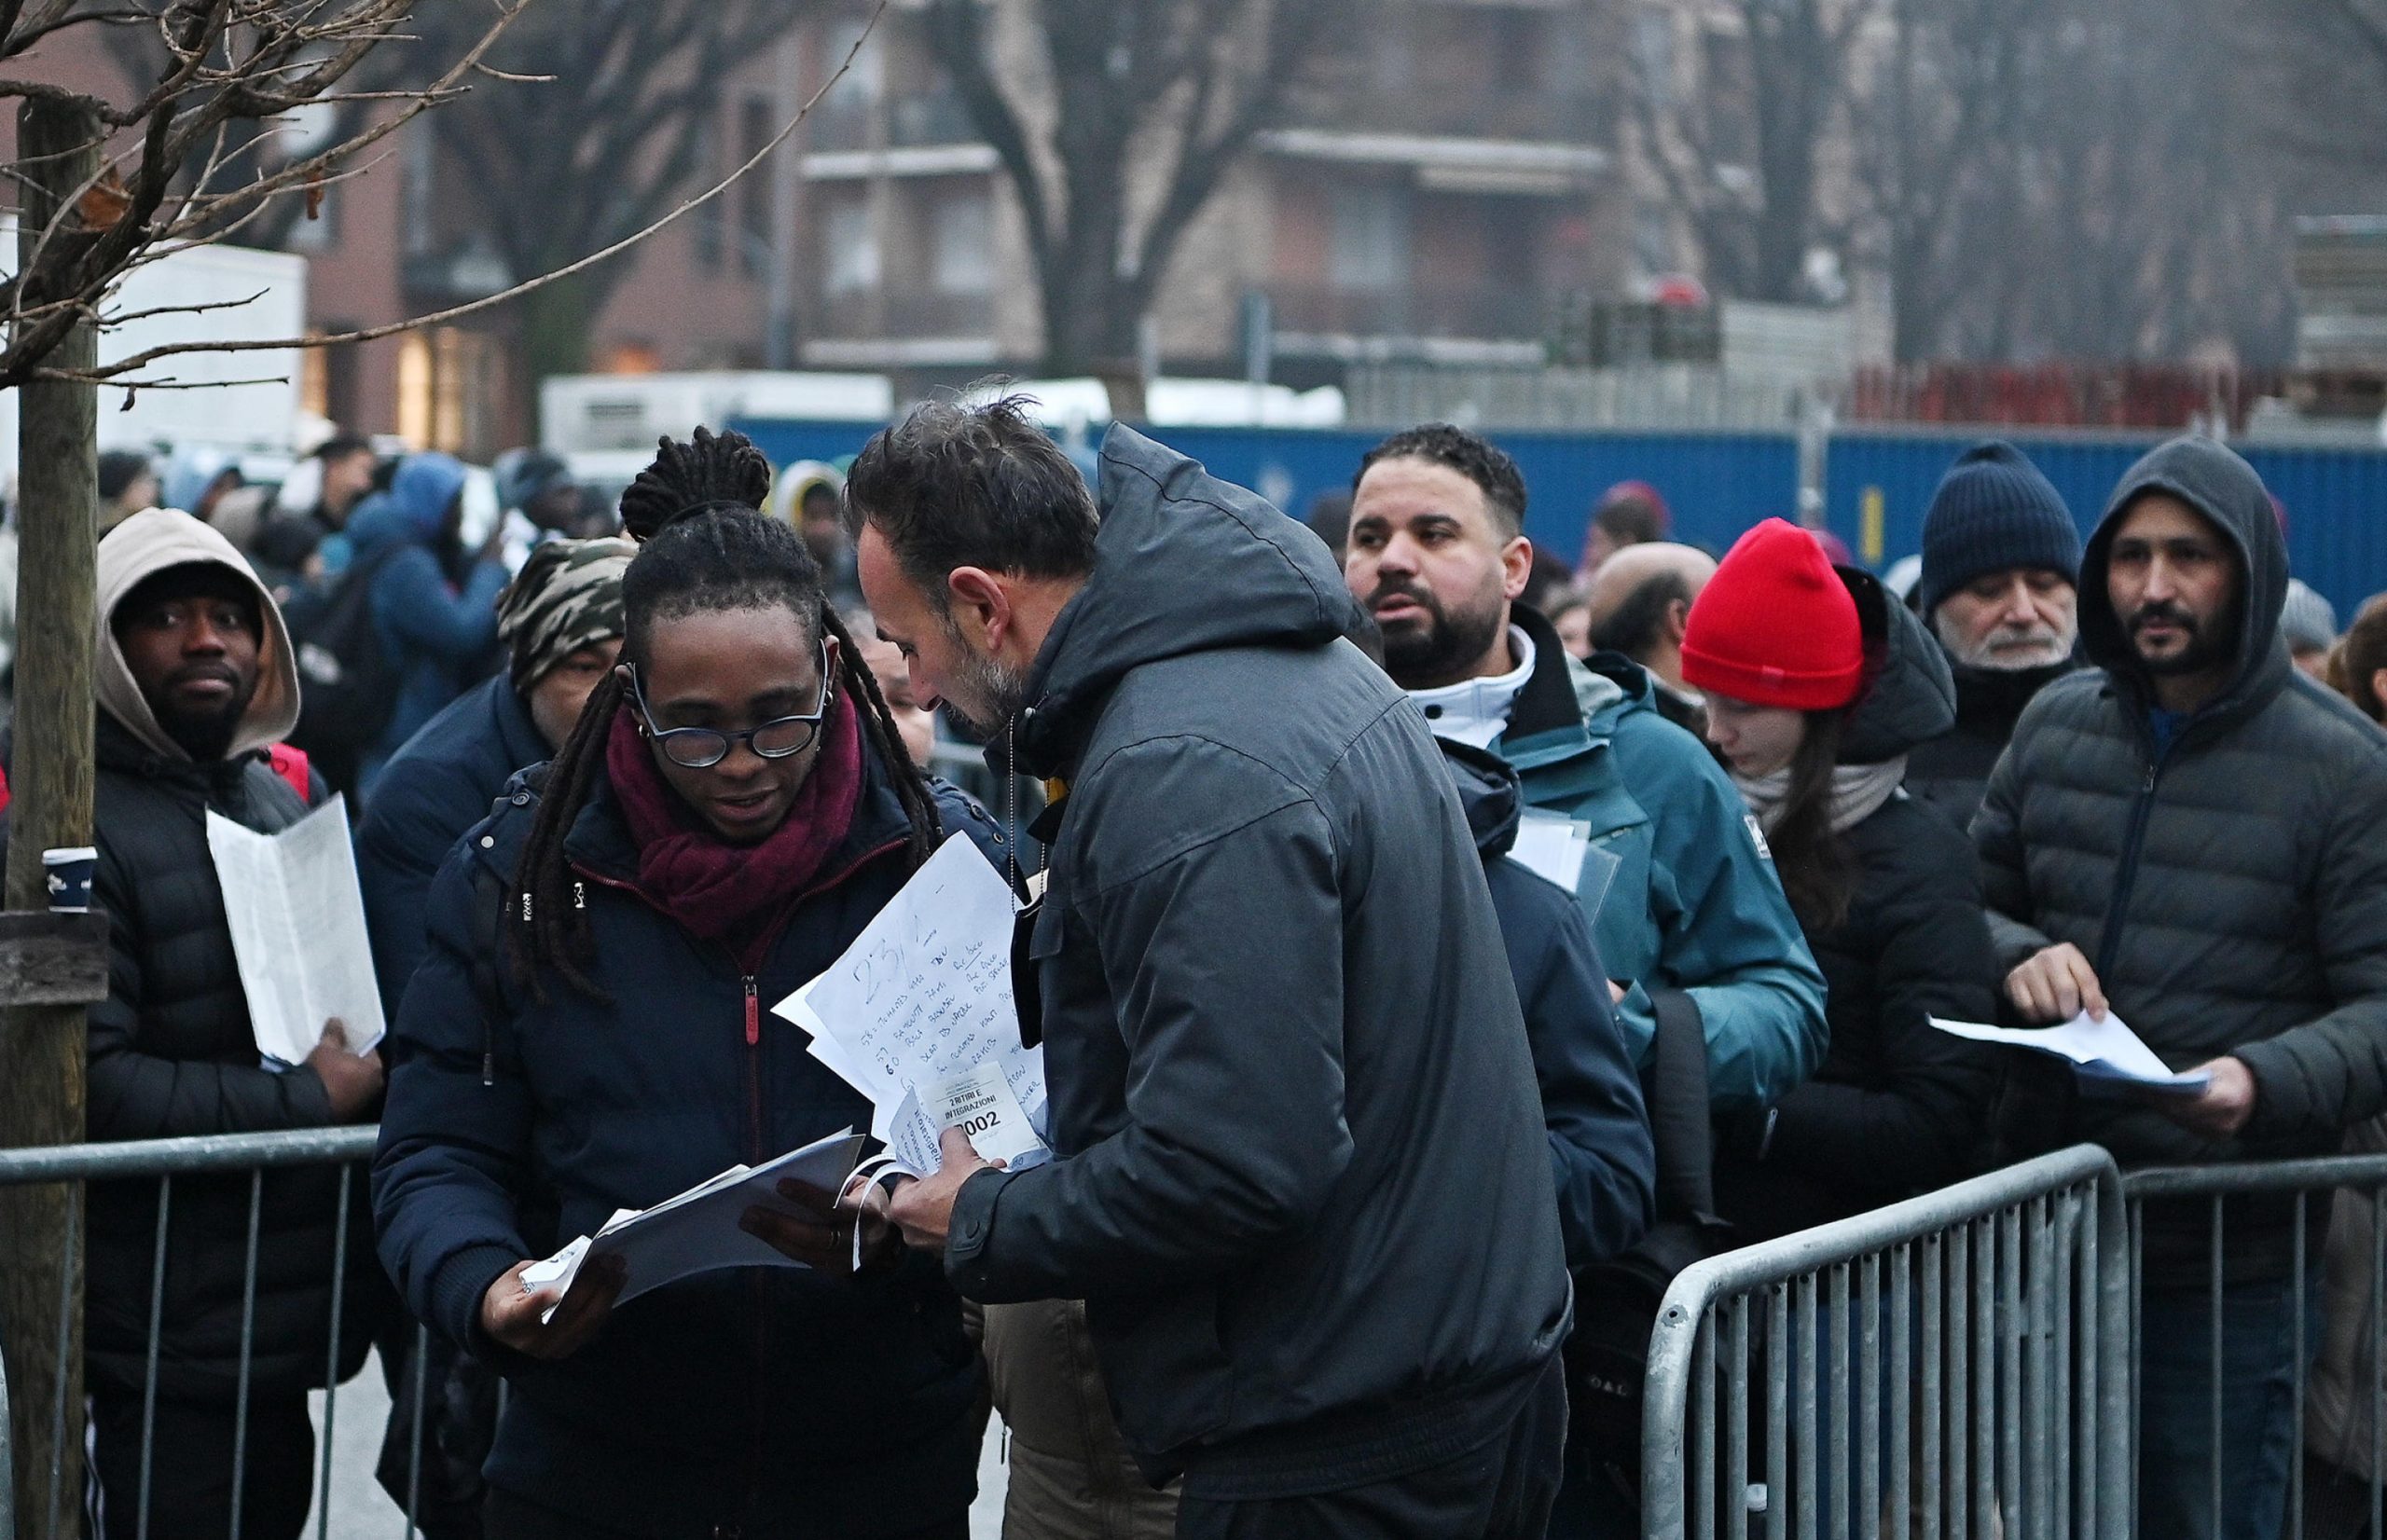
x,y
2000,557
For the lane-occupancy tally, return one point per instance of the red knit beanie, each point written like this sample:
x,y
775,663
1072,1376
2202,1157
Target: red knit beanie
x,y
1775,626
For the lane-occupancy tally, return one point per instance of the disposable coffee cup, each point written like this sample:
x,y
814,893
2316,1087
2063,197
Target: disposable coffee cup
x,y
67,873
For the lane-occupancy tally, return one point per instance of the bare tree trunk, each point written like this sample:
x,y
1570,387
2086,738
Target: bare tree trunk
x,y
41,1052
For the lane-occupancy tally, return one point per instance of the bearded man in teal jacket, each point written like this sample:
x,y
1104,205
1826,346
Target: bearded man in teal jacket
x,y
1691,912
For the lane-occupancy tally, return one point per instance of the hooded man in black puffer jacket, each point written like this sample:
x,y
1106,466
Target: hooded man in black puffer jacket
x,y
195,679
2194,836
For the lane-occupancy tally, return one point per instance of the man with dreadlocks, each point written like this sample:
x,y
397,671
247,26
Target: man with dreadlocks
x,y
588,1032
1303,1187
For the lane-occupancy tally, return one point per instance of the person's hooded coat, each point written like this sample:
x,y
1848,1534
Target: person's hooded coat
x,y
1600,1148
1898,1106
2229,891
171,1050
441,783
1304,1185
438,638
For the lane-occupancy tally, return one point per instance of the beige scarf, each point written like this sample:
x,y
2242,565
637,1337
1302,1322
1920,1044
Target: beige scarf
x,y
1858,793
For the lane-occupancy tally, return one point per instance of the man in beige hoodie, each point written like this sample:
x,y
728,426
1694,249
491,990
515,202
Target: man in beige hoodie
x,y
195,679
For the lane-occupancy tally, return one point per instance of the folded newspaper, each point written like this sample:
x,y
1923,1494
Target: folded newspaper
x,y
297,921
917,1016
696,1231
2104,1054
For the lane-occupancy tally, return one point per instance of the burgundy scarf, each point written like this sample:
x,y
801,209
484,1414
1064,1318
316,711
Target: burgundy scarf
x,y
715,889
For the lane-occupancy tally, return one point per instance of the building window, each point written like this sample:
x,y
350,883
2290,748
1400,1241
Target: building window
x,y
418,154
853,258
756,232
1370,246
1653,53
1653,239
712,217
963,261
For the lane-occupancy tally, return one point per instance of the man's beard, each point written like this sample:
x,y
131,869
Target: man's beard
x,y
1445,649
2008,648
206,736
2206,650
995,692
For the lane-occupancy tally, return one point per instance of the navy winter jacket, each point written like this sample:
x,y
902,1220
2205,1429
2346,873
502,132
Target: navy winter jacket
x,y
764,1401
1600,1148
433,790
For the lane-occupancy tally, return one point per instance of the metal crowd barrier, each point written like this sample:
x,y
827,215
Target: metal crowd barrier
x,y
1957,1365
165,1161
2355,1186
1960,1364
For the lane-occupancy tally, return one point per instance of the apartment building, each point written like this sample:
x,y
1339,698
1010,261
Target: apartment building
x,y
1445,181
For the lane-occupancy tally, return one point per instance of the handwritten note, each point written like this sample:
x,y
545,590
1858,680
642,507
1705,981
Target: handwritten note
x,y
923,999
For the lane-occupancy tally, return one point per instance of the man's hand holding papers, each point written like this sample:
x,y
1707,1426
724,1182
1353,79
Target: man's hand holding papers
x,y
923,1209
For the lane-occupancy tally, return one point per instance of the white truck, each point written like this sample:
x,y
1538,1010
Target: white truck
x,y
257,296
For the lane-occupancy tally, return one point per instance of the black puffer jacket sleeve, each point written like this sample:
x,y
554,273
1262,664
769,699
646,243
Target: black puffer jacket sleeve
x,y
2331,1072
1234,1139
2006,886
133,1094
1899,1100
456,1136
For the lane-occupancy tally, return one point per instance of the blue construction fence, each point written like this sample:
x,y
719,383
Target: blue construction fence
x,y
1877,483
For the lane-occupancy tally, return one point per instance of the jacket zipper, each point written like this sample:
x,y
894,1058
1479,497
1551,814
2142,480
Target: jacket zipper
x,y
2126,868
755,1286
750,987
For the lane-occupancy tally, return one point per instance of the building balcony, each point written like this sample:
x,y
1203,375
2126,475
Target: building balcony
x,y
912,120
1580,118
904,313
1480,312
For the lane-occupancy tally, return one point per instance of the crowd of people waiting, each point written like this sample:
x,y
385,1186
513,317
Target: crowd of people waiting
x,y
627,780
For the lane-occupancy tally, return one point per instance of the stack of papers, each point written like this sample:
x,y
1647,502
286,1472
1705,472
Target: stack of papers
x,y
698,1231
298,924
917,1016
2102,1054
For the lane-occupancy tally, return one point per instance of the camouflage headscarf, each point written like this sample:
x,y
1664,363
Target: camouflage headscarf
x,y
568,596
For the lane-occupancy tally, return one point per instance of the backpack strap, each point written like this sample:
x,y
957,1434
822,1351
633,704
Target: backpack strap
x,y
290,763
1680,1122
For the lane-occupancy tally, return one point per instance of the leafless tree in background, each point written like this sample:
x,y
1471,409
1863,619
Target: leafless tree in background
x,y
194,147
1152,103
1741,157
2084,179
610,113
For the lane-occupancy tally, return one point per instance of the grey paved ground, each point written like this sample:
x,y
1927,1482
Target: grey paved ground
x,y
359,1511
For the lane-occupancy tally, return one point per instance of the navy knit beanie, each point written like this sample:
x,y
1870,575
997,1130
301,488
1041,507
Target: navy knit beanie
x,y
1993,509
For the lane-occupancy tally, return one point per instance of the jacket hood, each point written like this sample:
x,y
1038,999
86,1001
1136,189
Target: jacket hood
x,y
413,509
1489,790
2210,478
1184,563
1909,696
148,543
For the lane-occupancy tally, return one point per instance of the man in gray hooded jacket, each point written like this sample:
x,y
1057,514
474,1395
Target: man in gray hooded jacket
x,y
2193,836
1302,1186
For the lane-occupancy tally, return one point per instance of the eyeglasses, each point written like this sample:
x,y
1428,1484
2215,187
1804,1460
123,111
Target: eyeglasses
x,y
702,748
